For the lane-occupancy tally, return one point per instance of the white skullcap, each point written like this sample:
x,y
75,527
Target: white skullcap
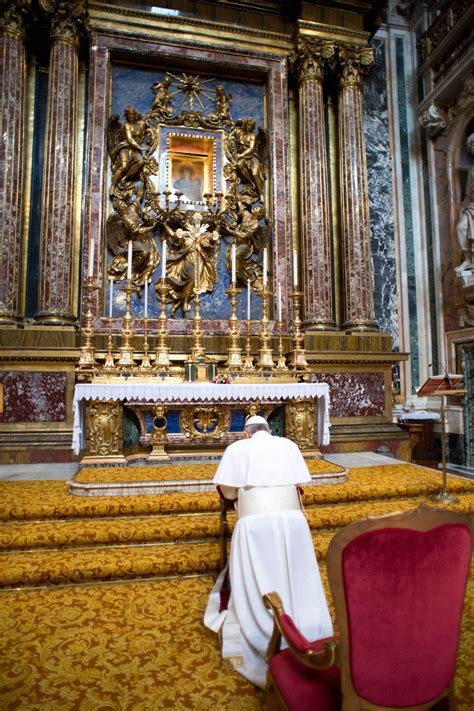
x,y
255,420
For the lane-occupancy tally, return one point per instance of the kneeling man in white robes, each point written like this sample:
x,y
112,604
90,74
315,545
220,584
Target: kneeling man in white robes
x,y
271,549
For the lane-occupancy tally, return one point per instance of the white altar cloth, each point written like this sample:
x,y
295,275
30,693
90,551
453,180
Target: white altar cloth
x,y
199,392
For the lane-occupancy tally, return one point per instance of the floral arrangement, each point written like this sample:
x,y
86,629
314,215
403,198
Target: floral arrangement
x,y
222,379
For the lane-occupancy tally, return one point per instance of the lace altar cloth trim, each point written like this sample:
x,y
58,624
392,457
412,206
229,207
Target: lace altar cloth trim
x,y
200,392
420,415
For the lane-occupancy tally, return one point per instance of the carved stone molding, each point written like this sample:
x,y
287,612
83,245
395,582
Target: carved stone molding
x,y
14,16
433,119
354,63
310,58
69,20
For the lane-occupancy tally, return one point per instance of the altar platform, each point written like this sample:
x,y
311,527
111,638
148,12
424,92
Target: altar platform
x,y
195,418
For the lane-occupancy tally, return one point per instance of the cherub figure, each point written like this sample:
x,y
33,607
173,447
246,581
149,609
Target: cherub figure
x,y
162,101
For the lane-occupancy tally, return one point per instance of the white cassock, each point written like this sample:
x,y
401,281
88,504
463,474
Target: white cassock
x,y
271,549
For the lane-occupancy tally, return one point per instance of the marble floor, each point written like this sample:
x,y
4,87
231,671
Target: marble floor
x,y
63,472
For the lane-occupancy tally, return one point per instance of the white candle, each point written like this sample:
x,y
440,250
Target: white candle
x,y
129,262
295,268
163,260
248,299
279,301
90,270
233,263
111,295
145,305
265,266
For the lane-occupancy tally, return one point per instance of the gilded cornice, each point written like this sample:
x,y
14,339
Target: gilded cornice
x,y
354,63
184,29
69,20
333,33
14,15
310,57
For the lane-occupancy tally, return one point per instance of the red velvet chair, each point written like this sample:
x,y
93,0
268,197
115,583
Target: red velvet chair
x,y
398,583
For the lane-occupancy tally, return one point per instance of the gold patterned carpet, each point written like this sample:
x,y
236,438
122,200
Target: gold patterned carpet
x,y
167,472
140,644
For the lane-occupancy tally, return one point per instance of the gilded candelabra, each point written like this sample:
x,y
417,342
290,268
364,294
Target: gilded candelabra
x,y
126,358
248,361
145,363
197,350
298,354
234,357
87,357
109,356
265,358
162,358
281,361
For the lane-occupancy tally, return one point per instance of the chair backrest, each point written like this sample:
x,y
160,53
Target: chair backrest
x,y
398,584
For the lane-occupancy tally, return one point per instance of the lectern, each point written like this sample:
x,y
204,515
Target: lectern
x,y
441,386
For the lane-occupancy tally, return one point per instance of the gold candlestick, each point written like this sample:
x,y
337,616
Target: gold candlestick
x,y
109,358
197,350
234,358
298,354
126,359
248,361
145,363
265,359
87,357
281,361
162,359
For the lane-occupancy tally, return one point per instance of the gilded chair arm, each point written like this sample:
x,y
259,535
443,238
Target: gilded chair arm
x,y
321,654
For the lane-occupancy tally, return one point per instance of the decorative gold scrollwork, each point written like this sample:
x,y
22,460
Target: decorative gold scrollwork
x,y
159,424
301,422
143,215
205,422
104,428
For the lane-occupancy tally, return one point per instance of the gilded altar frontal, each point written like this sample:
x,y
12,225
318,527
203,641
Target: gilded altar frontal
x,y
271,200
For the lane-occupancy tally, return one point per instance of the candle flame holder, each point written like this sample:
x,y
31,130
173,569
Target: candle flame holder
x,y
234,357
87,359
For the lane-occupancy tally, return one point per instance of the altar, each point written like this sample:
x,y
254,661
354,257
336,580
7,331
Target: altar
x,y
191,418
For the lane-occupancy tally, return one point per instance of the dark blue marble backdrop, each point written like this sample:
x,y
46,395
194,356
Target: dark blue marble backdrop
x,y
380,195
131,86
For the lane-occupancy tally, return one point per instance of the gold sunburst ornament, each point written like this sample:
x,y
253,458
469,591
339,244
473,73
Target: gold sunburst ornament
x,y
191,88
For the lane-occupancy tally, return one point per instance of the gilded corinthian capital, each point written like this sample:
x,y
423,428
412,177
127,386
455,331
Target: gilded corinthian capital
x,y
13,16
354,63
309,58
69,20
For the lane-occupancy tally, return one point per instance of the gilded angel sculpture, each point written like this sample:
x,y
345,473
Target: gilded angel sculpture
x,y
192,259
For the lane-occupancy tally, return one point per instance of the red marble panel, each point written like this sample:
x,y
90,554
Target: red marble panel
x,y
354,394
33,397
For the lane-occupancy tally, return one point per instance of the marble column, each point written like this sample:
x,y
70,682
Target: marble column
x,y
55,291
12,152
316,246
355,223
